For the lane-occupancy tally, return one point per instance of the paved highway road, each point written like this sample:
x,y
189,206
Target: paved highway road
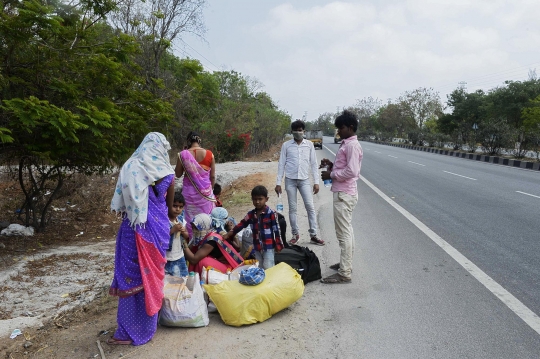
x,y
412,299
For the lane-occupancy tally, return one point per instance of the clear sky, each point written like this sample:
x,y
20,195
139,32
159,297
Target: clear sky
x,y
317,55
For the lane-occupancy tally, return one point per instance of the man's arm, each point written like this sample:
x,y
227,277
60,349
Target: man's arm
x,y
241,225
313,164
281,164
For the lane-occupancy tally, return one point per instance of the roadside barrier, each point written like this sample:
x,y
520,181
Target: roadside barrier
x,y
535,166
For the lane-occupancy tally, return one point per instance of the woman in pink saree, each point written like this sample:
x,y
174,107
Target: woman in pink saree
x,y
199,167
208,249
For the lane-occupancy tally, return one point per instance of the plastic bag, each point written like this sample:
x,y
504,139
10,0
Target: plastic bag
x,y
235,274
239,304
181,307
213,276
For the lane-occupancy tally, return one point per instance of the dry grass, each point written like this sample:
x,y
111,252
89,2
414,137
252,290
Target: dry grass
x,y
85,201
91,197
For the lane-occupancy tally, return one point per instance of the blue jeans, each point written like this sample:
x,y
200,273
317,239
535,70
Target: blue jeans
x,y
292,186
177,268
265,258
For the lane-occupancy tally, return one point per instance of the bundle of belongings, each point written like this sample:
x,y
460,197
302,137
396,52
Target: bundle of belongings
x,y
240,304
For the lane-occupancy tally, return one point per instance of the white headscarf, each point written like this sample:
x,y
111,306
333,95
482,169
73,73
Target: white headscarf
x,y
149,163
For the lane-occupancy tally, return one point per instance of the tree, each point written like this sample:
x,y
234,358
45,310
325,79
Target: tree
x,y
366,107
325,123
531,124
421,104
157,24
509,101
72,98
391,121
467,109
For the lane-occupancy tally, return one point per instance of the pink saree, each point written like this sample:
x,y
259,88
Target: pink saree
x,y
197,188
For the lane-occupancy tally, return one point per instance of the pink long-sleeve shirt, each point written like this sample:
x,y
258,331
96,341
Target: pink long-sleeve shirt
x,y
346,169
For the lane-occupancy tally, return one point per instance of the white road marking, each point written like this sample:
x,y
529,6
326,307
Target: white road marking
x,y
455,174
528,194
391,156
515,305
376,151
419,164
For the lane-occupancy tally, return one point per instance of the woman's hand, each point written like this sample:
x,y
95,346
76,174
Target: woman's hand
x,y
184,233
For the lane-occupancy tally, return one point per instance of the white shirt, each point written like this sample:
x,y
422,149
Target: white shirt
x,y
176,251
296,160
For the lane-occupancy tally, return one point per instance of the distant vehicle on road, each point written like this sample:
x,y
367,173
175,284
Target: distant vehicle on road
x,y
315,136
337,139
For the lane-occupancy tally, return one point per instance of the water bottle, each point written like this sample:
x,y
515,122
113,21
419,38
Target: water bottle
x,y
327,182
279,205
190,281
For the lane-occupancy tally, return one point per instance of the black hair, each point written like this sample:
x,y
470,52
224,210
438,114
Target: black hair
x,y
193,137
298,124
348,119
179,197
217,189
259,191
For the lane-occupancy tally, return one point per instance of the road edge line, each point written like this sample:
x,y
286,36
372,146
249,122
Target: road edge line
x,y
508,299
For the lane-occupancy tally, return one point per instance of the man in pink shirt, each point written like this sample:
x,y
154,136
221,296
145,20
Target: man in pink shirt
x,y
344,173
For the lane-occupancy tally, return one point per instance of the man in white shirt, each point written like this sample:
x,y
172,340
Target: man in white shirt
x,y
297,159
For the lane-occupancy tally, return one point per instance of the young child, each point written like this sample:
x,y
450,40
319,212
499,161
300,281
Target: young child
x,y
217,193
263,221
176,262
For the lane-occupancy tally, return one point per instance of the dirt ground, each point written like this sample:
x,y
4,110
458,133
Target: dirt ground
x,y
55,284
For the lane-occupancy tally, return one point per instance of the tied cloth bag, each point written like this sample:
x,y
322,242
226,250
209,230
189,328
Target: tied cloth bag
x,y
252,276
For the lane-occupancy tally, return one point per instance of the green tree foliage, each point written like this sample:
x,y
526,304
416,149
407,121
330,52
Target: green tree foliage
x,y
421,104
325,123
467,109
391,121
509,102
78,93
71,96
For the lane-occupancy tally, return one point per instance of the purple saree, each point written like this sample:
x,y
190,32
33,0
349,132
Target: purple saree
x,y
139,269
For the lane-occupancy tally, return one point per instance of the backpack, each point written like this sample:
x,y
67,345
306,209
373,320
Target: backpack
x,y
303,260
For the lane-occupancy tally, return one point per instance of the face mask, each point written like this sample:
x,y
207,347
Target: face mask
x,y
297,135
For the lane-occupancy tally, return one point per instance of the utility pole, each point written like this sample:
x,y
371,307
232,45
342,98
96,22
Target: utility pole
x,y
462,85
304,118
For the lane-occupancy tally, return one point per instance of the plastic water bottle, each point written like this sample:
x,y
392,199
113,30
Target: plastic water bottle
x,y
279,205
190,281
327,182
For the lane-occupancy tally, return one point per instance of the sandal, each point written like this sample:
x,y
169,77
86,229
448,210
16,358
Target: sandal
x,y
317,241
334,266
336,279
112,341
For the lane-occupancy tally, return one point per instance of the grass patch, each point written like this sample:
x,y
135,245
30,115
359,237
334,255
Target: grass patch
x,y
238,199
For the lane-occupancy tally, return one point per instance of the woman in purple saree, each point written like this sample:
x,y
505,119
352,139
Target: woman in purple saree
x,y
199,166
143,196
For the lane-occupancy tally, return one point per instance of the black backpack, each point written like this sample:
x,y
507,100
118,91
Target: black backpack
x,y
303,260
